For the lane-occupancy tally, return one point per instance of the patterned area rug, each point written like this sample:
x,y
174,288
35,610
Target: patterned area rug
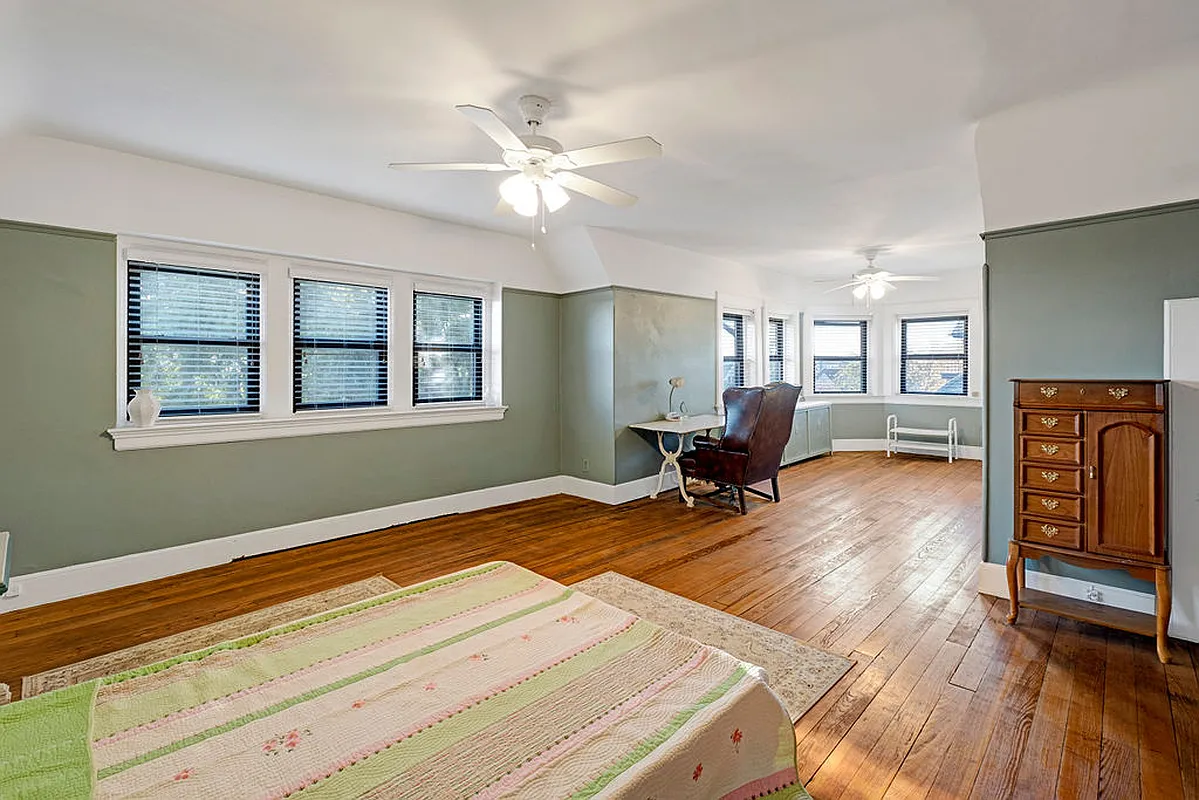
x,y
798,673
197,638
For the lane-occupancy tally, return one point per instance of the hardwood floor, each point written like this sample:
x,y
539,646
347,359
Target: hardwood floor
x,y
873,558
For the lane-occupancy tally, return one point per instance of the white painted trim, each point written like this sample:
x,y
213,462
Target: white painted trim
x,y
992,580
949,401
38,588
169,433
965,451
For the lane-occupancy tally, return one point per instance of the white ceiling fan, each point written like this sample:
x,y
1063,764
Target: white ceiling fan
x,y
544,170
873,283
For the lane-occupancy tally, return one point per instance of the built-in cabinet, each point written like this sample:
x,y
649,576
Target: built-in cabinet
x,y
811,432
1091,472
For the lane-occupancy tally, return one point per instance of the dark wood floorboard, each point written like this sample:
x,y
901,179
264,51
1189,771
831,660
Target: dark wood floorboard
x,y
871,557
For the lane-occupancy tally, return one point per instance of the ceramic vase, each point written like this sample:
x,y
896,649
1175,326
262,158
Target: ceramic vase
x,y
144,408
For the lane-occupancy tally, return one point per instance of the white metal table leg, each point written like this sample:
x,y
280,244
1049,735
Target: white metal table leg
x,y
671,459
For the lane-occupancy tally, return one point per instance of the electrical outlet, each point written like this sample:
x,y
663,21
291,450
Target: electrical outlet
x,y
586,465
1094,595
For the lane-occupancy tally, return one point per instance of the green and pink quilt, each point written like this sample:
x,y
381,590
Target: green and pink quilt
x,y
492,682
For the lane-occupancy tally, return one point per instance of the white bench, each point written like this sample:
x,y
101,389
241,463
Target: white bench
x,y
948,447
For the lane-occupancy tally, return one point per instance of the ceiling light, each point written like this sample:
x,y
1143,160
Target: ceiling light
x,y
554,195
520,193
859,291
877,290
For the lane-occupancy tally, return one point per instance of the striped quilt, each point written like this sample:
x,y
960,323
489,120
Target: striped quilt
x,y
492,682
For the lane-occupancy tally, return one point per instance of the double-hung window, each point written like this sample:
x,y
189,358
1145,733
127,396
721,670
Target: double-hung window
x,y
339,345
776,349
934,355
733,339
839,350
193,338
447,348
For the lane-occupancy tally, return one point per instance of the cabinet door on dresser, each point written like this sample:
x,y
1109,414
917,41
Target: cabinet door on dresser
x,y
1126,491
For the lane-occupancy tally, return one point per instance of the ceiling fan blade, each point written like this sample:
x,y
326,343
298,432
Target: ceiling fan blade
x,y
890,286
842,286
610,153
464,165
486,120
913,278
600,191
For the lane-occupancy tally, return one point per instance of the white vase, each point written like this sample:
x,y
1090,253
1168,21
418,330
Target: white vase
x,y
143,408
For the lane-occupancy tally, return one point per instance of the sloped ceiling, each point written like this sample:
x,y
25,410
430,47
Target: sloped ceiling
x,y
795,131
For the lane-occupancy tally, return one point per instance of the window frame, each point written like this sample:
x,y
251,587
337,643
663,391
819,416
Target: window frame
x,y
740,349
252,345
864,358
778,338
904,356
276,418
479,348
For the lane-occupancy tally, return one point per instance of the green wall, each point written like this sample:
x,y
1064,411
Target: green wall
x,y
658,336
1080,299
68,497
587,370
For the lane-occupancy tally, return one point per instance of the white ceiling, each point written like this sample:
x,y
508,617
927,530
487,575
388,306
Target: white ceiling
x,y
795,131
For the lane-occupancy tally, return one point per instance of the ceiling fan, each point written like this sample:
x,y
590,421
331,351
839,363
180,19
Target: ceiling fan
x,y
544,170
873,283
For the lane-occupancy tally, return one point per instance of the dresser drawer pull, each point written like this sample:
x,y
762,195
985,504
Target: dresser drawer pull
x,y
1118,392
1049,503
1048,391
1049,449
1049,422
1049,476
1049,530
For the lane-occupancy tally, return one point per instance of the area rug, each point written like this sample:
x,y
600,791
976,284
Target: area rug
x,y
197,638
798,673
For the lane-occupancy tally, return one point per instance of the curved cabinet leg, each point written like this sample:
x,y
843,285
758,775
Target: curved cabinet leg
x,y
1162,584
1013,563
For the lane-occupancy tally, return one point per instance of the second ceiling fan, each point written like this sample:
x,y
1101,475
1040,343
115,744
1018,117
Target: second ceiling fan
x,y
544,170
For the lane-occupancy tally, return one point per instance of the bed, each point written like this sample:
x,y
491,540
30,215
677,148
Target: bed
x,y
492,682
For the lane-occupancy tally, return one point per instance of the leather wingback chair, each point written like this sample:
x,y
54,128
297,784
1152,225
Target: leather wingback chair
x,y
757,427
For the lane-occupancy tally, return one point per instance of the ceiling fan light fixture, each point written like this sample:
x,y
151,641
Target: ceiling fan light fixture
x,y
859,291
521,193
877,290
554,195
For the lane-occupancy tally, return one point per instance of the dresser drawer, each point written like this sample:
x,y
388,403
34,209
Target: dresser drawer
x,y
1053,478
1047,422
1058,534
1051,451
1072,394
1041,504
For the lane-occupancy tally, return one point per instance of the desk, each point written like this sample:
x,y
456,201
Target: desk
x,y
681,427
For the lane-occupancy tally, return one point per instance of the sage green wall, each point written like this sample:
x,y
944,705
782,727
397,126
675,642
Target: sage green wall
x,y
68,497
658,336
869,420
1078,300
587,369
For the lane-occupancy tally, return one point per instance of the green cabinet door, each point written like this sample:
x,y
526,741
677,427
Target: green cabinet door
x,y
797,445
820,431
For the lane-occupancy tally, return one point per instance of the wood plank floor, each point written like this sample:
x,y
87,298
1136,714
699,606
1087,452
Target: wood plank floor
x,y
870,557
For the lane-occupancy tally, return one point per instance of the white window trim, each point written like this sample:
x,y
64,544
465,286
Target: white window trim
x,y
755,350
894,344
809,364
792,352
275,418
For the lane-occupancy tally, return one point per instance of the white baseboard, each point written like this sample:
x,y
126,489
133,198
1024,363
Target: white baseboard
x,y
965,451
38,588
992,580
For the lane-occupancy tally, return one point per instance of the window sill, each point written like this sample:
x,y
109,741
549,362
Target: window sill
x,y
179,433
955,401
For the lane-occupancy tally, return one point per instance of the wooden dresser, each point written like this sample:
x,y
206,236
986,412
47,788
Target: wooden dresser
x,y
1091,479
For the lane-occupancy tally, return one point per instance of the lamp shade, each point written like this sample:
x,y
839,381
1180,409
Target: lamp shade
x,y
520,193
877,290
860,291
554,195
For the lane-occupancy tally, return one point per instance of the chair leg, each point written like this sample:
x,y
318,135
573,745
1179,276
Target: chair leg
x,y
774,484
741,498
